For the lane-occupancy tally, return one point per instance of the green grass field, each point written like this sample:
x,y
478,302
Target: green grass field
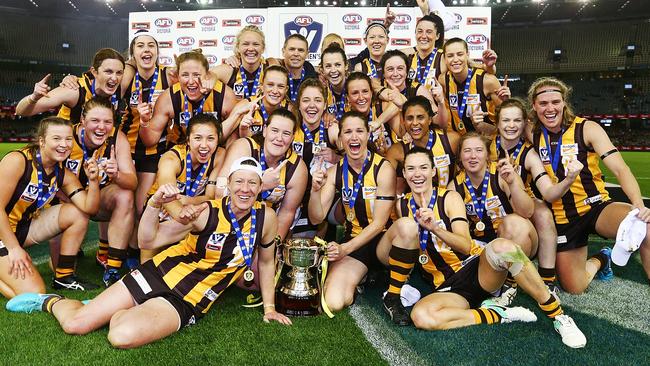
x,y
612,316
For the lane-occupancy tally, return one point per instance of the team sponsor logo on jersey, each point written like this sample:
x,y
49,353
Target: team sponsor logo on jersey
x,y
297,147
231,23
469,209
352,41
208,43
165,44
351,21
308,28
185,24
210,295
255,19
477,21
140,25
30,193
346,194
453,100
238,89
400,42
73,165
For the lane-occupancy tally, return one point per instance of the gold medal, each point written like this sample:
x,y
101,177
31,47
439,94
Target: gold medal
x,y
350,215
423,259
249,275
480,226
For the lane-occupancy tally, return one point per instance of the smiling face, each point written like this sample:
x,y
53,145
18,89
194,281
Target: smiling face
x,y
251,48
416,121
145,52
203,141
334,67
295,53
426,35
311,105
549,107
190,74
56,144
97,123
395,71
456,57
474,155
274,87
511,123
418,172
108,76
376,40
244,186
278,136
354,137
359,94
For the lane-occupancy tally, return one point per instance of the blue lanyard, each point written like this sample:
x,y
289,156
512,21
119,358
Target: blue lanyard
x,y
44,197
373,69
83,144
424,234
185,118
463,103
310,138
517,149
293,89
152,87
340,104
429,143
555,159
479,206
265,194
248,92
191,188
246,248
113,97
265,114
358,183
422,77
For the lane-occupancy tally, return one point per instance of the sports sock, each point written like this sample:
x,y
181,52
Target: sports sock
x,y
49,301
551,307
102,250
547,274
510,281
65,267
400,262
486,316
115,257
602,258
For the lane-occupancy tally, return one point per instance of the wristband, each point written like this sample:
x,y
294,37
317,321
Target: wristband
x,y
153,205
31,100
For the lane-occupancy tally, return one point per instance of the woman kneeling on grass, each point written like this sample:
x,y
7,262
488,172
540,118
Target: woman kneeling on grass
x,y
179,285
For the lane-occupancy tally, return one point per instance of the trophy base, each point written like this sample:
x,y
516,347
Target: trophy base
x,y
297,305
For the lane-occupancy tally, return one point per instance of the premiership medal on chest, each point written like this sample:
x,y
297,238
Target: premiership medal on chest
x,y
351,215
423,259
480,226
249,275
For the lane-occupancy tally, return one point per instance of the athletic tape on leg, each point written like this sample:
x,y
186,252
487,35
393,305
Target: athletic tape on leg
x,y
512,262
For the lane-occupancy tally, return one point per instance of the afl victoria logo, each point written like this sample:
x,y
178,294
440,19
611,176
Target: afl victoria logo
x,y
163,22
303,20
255,19
476,39
185,41
208,20
351,18
402,19
228,40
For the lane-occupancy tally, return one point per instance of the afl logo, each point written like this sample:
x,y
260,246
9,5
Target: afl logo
x,y
228,40
458,18
303,20
351,18
476,39
163,22
208,20
255,19
402,19
212,59
165,60
185,41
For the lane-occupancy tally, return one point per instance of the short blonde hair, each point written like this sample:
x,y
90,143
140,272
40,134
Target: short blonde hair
x,y
250,28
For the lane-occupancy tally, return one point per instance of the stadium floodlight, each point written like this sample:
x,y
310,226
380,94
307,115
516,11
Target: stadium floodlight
x,y
325,2
557,52
317,2
363,2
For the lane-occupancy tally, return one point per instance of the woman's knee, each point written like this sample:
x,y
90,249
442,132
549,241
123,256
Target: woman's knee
x,y
424,318
72,215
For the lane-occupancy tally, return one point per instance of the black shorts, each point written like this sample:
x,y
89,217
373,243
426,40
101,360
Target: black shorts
x,y
367,254
465,283
575,234
145,283
146,163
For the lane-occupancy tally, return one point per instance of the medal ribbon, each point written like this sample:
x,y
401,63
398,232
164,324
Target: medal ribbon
x,y
246,248
517,149
256,83
113,97
422,77
154,80
463,103
429,143
555,158
185,118
479,206
424,234
265,194
310,138
44,197
358,183
293,89
191,188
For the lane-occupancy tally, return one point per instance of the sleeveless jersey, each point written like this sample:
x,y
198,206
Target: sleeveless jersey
x,y
475,97
76,159
204,264
589,188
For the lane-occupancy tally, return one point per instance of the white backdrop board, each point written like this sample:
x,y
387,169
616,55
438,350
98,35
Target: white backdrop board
x,y
214,30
